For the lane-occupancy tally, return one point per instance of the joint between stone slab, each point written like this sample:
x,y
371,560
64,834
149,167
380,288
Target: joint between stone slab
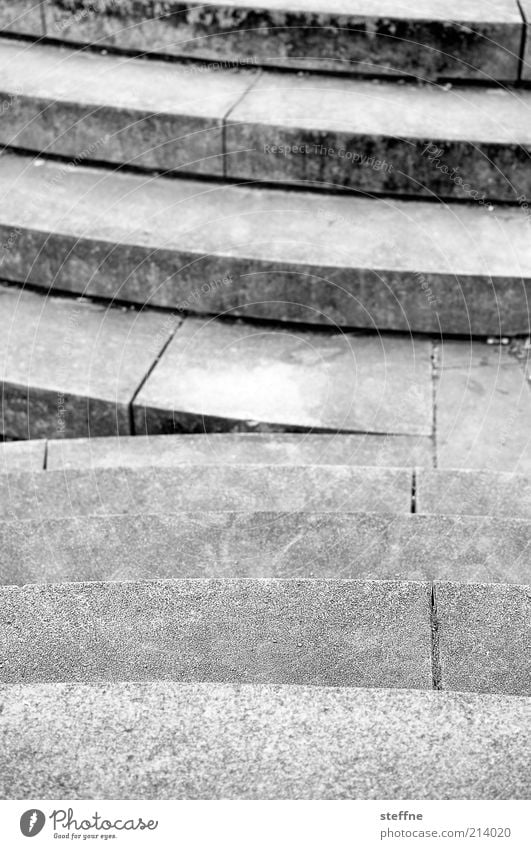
x,y
434,378
523,42
413,491
436,670
225,118
45,457
149,371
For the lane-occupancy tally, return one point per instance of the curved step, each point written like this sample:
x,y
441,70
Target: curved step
x,y
276,632
472,637
234,488
427,39
310,258
213,741
469,143
118,110
265,545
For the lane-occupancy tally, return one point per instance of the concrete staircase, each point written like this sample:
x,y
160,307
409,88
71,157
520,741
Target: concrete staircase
x,y
265,483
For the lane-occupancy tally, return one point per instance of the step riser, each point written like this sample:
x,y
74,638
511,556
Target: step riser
x,y
364,44
203,488
374,634
351,297
470,171
166,741
271,545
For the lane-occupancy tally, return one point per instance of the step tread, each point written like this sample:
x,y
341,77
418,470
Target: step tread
x,y
22,456
302,632
65,493
173,741
57,354
278,379
265,545
290,255
481,492
250,448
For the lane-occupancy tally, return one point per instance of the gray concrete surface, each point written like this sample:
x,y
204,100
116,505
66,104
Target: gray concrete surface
x,y
485,637
352,633
473,492
189,741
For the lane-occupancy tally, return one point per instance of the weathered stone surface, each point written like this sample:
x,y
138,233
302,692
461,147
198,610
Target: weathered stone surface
x,y
324,259
470,144
22,456
240,448
22,16
234,376
215,741
115,109
428,39
335,489
69,367
276,632
265,545
483,410
484,636
470,492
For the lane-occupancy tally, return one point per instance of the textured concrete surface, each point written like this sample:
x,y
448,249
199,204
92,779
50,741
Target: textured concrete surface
x,y
23,16
428,39
186,741
351,633
247,448
484,636
22,456
116,109
470,492
79,492
265,545
482,410
376,137
72,368
234,376
323,259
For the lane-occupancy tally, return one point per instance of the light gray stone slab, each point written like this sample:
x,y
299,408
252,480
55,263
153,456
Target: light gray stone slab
x,y
71,368
235,376
240,448
81,492
482,412
22,456
116,109
470,144
428,39
277,632
265,545
484,634
473,492
25,17
217,248
200,741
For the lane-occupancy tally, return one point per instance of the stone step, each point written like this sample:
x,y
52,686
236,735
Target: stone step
x,y
114,109
22,456
260,487
472,144
265,545
475,637
525,6
429,39
289,256
23,17
473,492
70,367
275,632
257,488
218,741
218,449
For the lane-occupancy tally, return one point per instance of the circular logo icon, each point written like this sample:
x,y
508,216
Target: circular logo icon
x,y
32,822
